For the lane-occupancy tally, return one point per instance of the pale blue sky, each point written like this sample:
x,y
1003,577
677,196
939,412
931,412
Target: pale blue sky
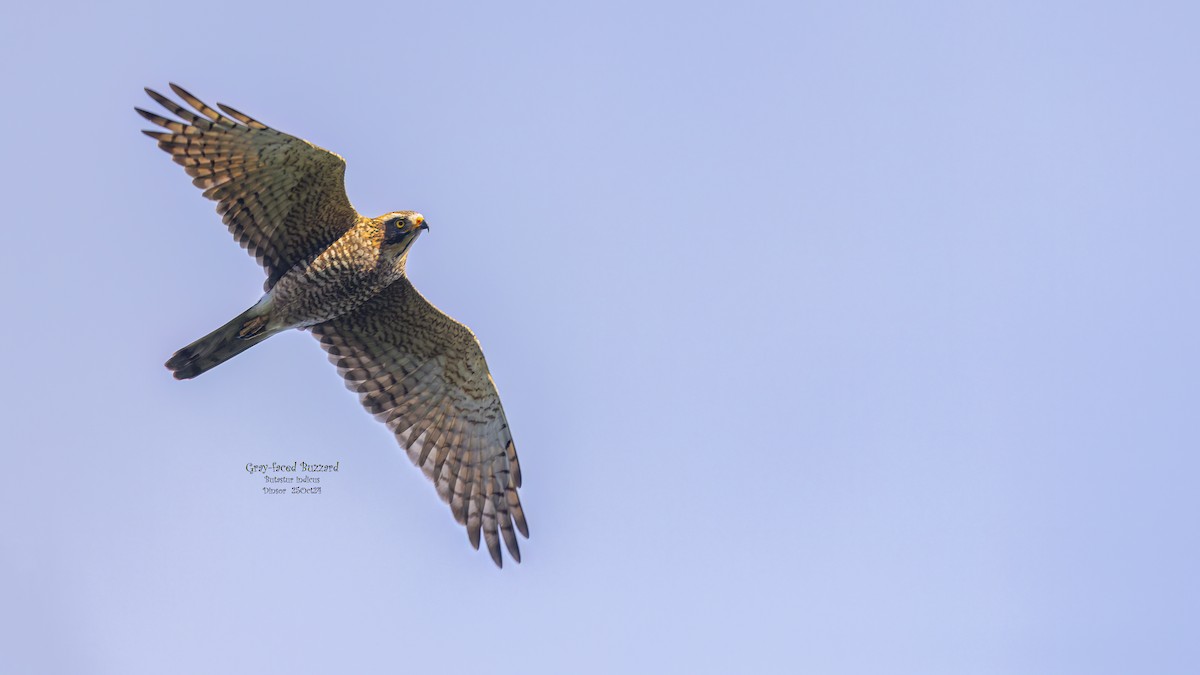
x,y
835,338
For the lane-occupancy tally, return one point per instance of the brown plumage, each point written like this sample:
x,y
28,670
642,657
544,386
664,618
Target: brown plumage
x,y
342,275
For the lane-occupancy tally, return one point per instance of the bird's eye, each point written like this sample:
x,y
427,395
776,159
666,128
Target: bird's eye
x,y
392,232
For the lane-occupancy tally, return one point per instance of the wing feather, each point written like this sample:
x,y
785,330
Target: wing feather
x,y
424,374
282,198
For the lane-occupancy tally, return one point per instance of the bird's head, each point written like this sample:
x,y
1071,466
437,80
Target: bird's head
x,y
400,230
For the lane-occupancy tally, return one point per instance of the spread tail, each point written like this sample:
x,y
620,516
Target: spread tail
x,y
224,343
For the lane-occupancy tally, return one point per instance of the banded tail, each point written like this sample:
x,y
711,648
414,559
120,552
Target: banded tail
x,y
243,332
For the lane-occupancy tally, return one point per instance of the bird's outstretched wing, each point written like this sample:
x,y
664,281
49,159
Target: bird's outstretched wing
x,y
283,198
423,374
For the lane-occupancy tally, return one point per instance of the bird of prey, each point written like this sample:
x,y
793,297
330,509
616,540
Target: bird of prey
x,y
342,276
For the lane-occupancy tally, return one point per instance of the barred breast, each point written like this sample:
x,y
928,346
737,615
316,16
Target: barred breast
x,y
338,280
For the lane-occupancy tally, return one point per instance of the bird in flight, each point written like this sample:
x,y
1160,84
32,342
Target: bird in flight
x,y
342,276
